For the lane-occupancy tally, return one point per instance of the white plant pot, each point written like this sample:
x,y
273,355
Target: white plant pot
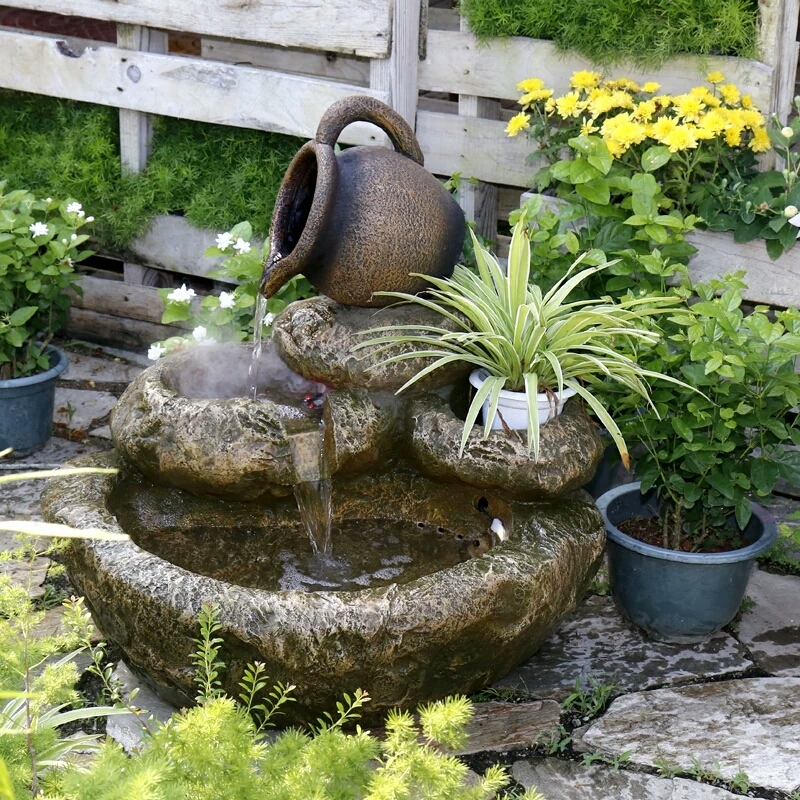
x,y
513,406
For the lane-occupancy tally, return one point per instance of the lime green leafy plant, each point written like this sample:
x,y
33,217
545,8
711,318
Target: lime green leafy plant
x,y
528,340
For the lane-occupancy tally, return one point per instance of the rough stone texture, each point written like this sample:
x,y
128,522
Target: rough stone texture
x,y
315,338
126,729
28,575
748,725
226,447
103,432
595,641
361,429
771,628
500,727
569,451
455,630
569,780
83,368
87,406
51,456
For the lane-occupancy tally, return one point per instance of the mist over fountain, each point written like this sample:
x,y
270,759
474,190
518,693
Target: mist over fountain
x,y
399,585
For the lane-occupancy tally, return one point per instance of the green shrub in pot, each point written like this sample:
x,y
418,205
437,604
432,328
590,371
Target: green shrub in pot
x,y
529,341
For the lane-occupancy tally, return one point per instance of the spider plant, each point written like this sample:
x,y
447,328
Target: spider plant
x,y
526,340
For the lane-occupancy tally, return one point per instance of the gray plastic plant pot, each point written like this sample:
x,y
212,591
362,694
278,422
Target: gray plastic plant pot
x,y
26,407
671,595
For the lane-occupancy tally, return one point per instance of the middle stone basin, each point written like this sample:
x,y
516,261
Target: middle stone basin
x,y
441,614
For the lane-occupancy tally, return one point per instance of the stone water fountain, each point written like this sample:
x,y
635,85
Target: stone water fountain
x,y
417,599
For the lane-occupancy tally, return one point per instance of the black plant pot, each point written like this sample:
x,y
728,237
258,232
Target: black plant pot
x,y
675,596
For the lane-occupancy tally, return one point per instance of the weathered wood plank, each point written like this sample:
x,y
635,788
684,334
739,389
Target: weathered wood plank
x,y
477,148
330,65
358,27
776,283
778,48
176,86
500,727
457,62
120,332
136,128
443,19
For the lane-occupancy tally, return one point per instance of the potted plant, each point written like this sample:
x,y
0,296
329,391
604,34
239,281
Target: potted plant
x,y
39,246
530,349
682,541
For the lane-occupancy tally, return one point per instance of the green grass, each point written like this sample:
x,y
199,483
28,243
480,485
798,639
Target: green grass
x,y
645,32
215,175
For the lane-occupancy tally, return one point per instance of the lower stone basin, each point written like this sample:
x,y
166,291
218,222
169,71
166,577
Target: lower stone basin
x,y
455,614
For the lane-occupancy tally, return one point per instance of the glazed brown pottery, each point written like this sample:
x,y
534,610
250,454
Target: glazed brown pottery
x,y
360,221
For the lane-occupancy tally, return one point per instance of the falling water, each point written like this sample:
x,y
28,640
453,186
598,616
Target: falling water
x,y
258,334
312,489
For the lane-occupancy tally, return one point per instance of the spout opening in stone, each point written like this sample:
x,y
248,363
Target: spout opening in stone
x,y
301,184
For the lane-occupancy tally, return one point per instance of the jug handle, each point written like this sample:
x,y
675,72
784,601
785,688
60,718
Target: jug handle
x,y
360,108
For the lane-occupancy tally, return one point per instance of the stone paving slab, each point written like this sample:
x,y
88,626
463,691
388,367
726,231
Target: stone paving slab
x,y
87,368
595,641
500,727
52,456
569,780
86,405
771,628
29,575
752,725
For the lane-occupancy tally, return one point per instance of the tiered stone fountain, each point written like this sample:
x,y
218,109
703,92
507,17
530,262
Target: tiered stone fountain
x,y
418,598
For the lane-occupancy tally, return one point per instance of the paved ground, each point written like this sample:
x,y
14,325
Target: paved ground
x,y
649,722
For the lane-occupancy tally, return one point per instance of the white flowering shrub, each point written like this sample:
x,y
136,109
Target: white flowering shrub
x,y
228,317
39,247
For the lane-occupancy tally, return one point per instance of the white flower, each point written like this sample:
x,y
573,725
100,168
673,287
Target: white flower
x,y
39,229
199,333
48,199
90,219
74,208
156,351
268,319
227,299
241,246
790,211
796,222
182,295
787,132
74,236
224,241
63,241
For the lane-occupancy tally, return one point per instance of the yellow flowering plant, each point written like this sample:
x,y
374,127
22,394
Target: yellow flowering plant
x,y
700,147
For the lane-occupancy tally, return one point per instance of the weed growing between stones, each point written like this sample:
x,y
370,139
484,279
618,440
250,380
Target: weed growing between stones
x,y
784,555
747,604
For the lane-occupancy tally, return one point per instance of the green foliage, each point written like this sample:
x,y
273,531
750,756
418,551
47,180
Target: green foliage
x,y
590,697
758,204
213,174
705,455
38,249
525,339
614,761
609,31
785,553
231,315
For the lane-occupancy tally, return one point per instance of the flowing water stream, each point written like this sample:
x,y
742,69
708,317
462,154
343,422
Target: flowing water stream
x,y
258,336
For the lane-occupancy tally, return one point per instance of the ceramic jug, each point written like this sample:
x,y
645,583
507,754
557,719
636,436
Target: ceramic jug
x,y
360,221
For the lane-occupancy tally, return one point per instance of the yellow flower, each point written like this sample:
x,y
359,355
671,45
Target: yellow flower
x,y
584,79
682,138
650,87
733,136
627,134
688,108
587,128
519,122
760,141
715,77
625,84
662,128
708,97
615,148
536,94
747,101
750,118
730,94
663,100
601,104
530,85
622,100
550,105
569,105
645,110
714,123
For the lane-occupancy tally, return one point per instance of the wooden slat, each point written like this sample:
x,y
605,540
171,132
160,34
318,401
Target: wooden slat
x,y
331,66
477,148
119,332
778,48
457,62
443,19
176,86
358,27
775,283
136,128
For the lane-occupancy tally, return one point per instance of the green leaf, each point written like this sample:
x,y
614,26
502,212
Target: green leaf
x,y
22,315
743,512
581,171
764,474
176,312
682,429
596,191
774,248
655,157
721,483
